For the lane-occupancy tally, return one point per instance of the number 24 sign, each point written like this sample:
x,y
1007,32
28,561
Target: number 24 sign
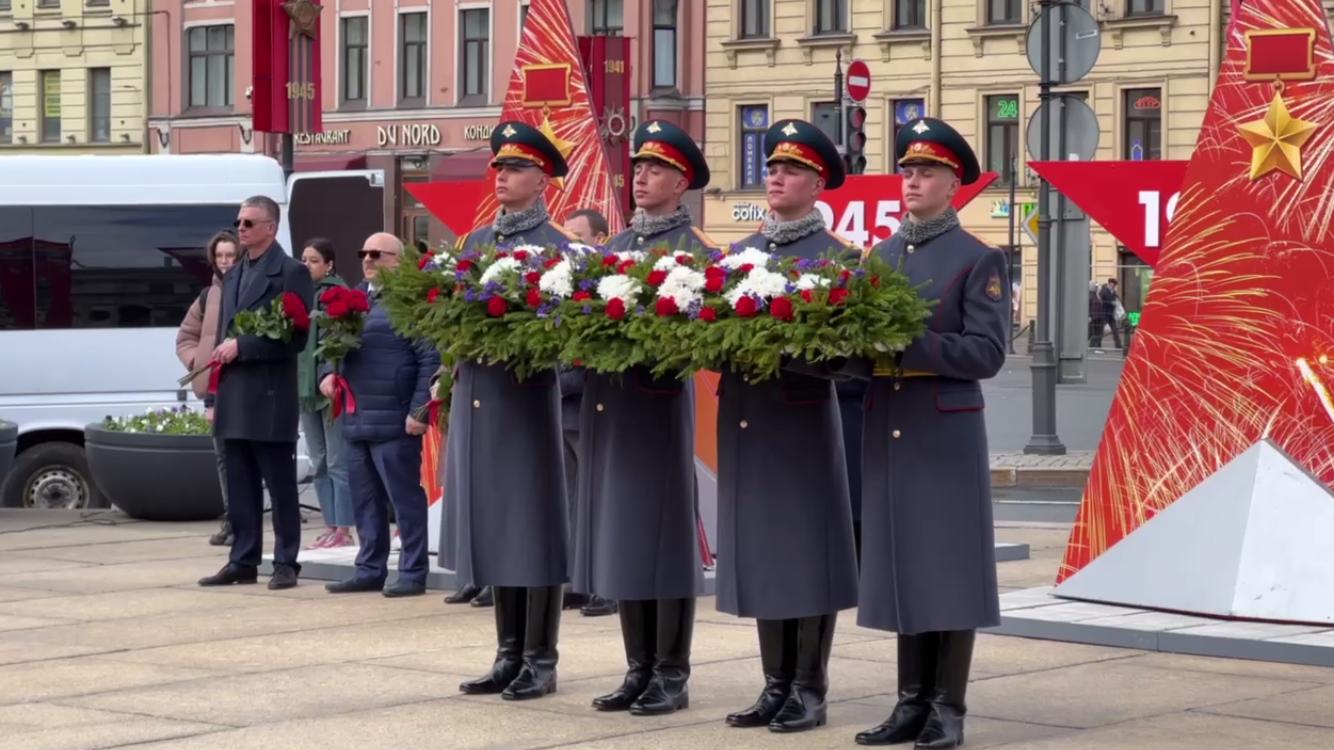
x,y
869,208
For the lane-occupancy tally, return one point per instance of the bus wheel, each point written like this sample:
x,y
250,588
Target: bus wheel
x,y
52,476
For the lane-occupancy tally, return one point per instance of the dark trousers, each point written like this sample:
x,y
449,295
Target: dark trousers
x,y
1109,316
571,478
386,476
252,465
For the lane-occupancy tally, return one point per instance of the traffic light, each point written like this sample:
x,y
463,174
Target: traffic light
x,y
854,156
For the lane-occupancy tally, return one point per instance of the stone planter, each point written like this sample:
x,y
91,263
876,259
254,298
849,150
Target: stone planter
x,y
155,477
9,442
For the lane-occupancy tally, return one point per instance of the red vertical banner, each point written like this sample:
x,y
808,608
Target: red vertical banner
x,y
607,68
286,59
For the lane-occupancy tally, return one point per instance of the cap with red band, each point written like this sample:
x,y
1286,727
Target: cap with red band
x,y
799,142
931,141
519,144
664,142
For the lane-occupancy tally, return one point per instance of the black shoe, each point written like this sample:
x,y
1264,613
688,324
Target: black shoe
x,y
667,691
573,600
484,599
223,537
463,595
284,577
805,706
944,725
778,658
638,624
231,574
404,588
598,607
916,667
511,608
538,675
353,586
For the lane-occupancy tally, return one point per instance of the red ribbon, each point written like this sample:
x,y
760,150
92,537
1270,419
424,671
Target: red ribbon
x,y
343,398
214,375
433,408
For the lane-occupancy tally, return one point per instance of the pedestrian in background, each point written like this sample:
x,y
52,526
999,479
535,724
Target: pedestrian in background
x,y
1111,304
324,441
195,340
1095,316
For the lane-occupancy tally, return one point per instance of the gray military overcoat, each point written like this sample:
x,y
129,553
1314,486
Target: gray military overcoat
x,y
504,501
785,545
928,554
635,529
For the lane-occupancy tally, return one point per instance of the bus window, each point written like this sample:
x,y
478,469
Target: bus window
x,y
16,272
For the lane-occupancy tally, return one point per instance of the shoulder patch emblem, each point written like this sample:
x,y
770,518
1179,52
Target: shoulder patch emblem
x,y
994,289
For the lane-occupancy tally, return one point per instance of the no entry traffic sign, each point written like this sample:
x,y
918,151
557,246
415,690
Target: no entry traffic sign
x,y
859,81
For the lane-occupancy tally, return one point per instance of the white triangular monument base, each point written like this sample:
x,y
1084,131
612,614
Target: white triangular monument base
x,y
1253,541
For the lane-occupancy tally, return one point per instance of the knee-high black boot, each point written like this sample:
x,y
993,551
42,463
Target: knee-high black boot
x,y
805,705
944,725
638,628
511,612
671,660
917,672
778,658
537,677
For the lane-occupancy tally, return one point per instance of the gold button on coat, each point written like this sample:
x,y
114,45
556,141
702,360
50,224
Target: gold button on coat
x,y
600,407
476,404
744,424
897,434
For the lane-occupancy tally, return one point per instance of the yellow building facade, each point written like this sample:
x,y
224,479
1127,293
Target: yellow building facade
x,y
963,61
73,75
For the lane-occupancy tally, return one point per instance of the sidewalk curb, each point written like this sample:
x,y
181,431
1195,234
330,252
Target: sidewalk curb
x,y
1025,476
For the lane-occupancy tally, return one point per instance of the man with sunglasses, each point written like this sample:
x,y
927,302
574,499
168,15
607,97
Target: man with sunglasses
x,y
505,513
256,410
391,377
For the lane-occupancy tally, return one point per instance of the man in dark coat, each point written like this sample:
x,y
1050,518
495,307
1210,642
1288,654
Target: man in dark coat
x,y
390,376
1109,299
635,538
785,545
505,507
928,556
256,409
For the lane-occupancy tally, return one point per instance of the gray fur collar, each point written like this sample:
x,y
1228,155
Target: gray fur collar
x,y
919,232
787,232
652,226
521,221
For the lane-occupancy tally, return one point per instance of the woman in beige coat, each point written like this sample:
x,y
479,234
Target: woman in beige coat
x,y
196,340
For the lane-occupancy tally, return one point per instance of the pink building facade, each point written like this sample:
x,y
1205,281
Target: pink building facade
x,y
410,87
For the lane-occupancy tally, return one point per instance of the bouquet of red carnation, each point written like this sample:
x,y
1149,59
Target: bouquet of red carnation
x,y
340,322
285,315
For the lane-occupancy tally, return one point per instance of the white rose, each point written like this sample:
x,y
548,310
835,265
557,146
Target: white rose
x,y
753,256
557,280
618,286
501,266
810,281
683,286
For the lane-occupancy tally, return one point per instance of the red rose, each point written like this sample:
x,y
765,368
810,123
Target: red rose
x,y
666,307
338,308
464,265
532,277
358,301
496,307
625,266
433,295
838,296
781,308
521,255
534,298
616,309
295,310
746,307
330,294
581,295
713,271
683,260
713,284
807,296
551,263
708,315
423,261
844,275
746,268
502,254
875,281
609,260
656,278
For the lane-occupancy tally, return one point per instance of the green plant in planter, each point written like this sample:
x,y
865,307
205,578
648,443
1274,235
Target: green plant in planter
x,y
162,421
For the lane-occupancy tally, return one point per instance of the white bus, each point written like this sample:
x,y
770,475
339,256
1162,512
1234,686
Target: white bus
x,y
100,257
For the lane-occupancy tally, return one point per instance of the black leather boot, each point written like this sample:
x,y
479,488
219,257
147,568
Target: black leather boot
x,y
484,598
638,625
511,611
671,660
944,724
917,668
538,675
464,595
778,658
805,705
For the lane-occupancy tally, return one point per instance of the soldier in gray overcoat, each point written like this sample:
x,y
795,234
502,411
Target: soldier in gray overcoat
x,y
635,538
785,544
928,556
504,500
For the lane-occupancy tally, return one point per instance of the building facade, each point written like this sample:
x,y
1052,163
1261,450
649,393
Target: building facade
x,y
963,61
411,87
73,76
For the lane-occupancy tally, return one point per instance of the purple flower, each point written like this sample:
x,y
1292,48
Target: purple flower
x,y
639,309
789,288
588,285
587,309
469,296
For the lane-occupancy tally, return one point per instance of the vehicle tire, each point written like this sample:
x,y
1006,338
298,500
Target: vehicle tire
x,y
51,475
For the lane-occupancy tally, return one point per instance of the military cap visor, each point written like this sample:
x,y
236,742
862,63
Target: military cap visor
x,y
668,144
931,141
517,144
801,143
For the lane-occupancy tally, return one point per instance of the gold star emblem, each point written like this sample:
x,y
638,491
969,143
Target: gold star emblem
x,y
305,17
1276,141
654,127
564,147
509,131
790,130
920,127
